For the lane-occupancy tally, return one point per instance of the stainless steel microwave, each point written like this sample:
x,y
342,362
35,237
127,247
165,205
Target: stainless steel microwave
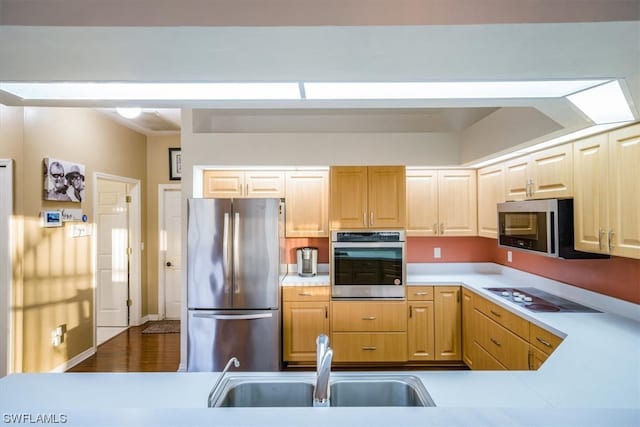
x,y
542,227
368,264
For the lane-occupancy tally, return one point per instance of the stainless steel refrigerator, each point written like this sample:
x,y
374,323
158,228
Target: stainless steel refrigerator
x,y
234,253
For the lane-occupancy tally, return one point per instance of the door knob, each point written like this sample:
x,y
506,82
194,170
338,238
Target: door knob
x,y
168,264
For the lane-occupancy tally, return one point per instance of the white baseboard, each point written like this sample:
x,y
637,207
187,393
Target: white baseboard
x,y
74,361
149,318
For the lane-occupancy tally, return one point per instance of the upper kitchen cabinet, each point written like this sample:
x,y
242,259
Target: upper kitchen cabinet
x,y
540,175
234,183
607,193
307,203
367,197
490,193
441,202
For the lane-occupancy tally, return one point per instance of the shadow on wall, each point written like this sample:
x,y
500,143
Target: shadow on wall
x,y
56,290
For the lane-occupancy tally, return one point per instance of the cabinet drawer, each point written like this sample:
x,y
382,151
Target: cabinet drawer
x,y
305,293
483,361
508,349
420,293
537,358
377,347
502,316
359,316
543,339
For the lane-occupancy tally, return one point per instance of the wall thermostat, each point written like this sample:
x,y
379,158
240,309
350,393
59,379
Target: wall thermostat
x,y
52,218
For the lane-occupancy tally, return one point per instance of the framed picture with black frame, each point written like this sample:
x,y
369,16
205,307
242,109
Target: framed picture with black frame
x,y
175,164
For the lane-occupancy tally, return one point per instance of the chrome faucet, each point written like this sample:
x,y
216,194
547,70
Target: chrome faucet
x,y
324,356
233,361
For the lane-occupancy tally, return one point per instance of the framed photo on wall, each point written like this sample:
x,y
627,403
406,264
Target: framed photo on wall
x,y
63,180
175,164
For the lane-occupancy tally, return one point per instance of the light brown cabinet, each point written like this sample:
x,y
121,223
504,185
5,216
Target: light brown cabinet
x,y
607,193
234,183
441,202
448,317
369,331
490,193
307,203
305,315
367,197
420,324
468,332
540,175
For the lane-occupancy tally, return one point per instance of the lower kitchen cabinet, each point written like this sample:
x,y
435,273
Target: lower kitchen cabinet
x,y
448,318
305,315
420,325
369,347
506,347
468,349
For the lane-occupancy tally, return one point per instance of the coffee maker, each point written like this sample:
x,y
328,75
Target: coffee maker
x,y
307,261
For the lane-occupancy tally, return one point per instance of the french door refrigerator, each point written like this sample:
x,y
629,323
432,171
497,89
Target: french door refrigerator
x,y
234,253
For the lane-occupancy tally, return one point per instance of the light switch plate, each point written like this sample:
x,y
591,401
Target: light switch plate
x,y
509,256
437,253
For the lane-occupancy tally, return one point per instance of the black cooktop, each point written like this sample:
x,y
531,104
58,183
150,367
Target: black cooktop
x,y
540,301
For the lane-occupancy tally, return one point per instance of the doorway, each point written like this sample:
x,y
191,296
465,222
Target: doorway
x,y
169,250
6,211
118,223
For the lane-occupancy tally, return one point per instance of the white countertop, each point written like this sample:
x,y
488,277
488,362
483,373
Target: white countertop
x,y
592,379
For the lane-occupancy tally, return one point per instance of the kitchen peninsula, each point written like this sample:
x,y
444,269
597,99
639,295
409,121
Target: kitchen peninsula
x,y
592,379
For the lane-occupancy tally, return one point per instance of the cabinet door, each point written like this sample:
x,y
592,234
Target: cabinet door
x,y
386,196
348,197
420,331
224,184
624,192
551,173
264,184
536,358
490,193
467,328
307,203
422,202
516,178
302,323
591,176
448,315
457,203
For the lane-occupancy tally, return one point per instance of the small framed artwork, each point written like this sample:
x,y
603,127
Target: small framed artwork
x,y
63,180
175,164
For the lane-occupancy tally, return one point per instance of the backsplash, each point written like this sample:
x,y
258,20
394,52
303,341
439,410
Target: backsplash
x,y
452,249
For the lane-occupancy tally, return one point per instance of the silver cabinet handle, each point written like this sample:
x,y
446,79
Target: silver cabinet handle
x,y
305,294
233,317
371,218
419,294
495,342
369,347
611,233
364,218
369,318
435,229
410,311
442,228
600,231
495,313
544,342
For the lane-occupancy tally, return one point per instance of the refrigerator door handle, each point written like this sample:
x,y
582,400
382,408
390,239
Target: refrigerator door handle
x,y
236,251
226,259
233,316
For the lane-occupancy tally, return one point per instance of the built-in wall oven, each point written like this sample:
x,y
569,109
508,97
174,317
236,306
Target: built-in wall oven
x,y
368,264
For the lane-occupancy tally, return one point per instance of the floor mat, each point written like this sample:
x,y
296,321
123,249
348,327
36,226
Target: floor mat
x,y
163,327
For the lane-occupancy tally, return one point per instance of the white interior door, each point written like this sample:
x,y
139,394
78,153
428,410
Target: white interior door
x,y
113,262
172,245
6,210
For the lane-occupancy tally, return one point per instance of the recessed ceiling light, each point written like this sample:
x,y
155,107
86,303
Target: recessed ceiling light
x,y
152,91
603,104
447,90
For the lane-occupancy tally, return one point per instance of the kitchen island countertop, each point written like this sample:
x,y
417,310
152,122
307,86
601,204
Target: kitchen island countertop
x,y
592,379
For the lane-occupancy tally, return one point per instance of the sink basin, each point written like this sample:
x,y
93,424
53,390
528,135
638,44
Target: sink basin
x,y
352,390
389,391
265,393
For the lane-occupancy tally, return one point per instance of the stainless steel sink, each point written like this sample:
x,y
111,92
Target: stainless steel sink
x,y
352,390
389,391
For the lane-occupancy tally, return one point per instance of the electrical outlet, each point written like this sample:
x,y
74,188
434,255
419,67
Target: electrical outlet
x,y
509,256
437,253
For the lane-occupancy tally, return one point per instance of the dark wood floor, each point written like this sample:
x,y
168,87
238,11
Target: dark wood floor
x,y
133,351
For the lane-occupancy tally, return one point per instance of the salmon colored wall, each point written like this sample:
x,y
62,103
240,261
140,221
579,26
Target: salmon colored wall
x,y
322,243
452,249
616,277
